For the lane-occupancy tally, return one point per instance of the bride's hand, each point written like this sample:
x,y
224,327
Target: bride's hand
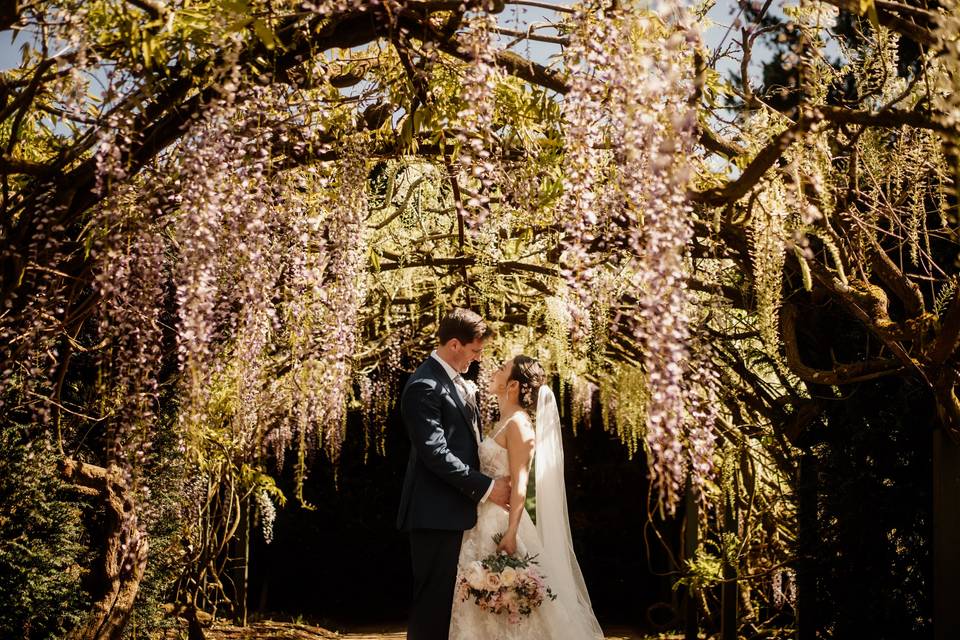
x,y
508,544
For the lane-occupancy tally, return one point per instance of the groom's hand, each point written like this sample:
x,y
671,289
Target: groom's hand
x,y
500,494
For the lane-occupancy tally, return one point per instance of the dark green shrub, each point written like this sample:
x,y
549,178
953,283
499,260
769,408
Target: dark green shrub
x,y
160,510
43,551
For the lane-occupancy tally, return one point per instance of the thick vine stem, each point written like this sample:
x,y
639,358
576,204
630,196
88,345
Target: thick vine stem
x,y
907,291
841,373
888,118
125,555
874,316
761,163
916,23
948,404
948,340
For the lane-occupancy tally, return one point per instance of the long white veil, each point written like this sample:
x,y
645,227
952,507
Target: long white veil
x,y
558,561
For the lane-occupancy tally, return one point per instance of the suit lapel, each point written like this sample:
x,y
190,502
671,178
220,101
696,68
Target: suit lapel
x,y
452,390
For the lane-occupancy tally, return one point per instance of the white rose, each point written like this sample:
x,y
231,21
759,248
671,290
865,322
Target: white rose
x,y
475,575
493,581
508,577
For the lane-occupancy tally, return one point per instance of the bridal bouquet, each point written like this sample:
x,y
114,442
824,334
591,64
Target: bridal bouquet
x,y
507,584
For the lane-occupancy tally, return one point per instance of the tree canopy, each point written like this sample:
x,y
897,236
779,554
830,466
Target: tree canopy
x,y
235,220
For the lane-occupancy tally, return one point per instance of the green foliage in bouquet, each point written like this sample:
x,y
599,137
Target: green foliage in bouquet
x,y
497,562
507,585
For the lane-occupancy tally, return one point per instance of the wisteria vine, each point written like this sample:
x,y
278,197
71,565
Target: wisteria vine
x,y
631,130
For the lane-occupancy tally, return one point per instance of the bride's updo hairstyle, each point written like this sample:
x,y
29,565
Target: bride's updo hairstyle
x,y
530,375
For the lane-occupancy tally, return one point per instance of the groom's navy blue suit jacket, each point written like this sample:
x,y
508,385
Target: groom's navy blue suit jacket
x,y
443,484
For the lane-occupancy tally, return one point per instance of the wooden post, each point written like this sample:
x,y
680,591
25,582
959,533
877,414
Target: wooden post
x,y
690,543
729,591
806,543
946,537
241,567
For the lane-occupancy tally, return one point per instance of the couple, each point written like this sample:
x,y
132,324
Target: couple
x,y
462,488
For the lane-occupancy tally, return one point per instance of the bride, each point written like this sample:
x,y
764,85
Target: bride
x,y
518,386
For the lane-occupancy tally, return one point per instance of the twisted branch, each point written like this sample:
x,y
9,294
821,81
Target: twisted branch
x,y
840,373
125,555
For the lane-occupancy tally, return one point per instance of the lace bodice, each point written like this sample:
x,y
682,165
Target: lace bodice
x,y
494,460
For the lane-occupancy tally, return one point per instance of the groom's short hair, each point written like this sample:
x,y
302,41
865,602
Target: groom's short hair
x,y
464,325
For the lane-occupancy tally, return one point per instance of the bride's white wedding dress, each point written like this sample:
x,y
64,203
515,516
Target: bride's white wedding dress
x,y
468,621
570,616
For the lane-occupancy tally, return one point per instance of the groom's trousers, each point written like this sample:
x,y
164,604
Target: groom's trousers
x,y
435,553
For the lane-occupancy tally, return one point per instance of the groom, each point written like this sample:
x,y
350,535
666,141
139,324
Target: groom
x,y
443,484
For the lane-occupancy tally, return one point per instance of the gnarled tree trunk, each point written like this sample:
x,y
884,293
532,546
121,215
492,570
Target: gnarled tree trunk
x,y
125,553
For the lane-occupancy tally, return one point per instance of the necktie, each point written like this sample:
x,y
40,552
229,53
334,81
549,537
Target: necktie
x,y
468,400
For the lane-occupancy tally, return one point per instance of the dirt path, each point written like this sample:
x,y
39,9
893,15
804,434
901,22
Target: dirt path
x,y
400,635
296,631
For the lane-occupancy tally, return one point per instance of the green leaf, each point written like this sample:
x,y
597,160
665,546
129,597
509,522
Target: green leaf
x,y
194,19
269,485
239,24
874,18
265,34
237,6
406,138
417,121
869,7
146,47
426,116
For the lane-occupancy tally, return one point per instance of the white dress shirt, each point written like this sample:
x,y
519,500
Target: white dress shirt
x,y
453,373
